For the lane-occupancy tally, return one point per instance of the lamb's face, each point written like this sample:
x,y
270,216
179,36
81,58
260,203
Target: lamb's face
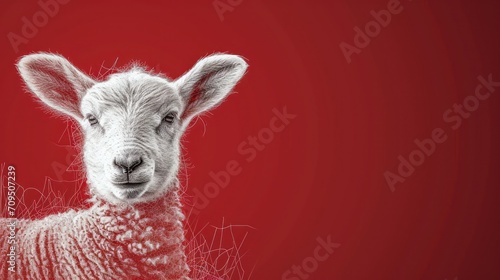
x,y
132,121
132,129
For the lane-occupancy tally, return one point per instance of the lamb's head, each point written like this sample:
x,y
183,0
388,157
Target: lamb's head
x,y
133,120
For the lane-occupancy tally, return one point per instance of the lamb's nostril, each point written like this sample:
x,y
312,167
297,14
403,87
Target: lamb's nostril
x,y
135,164
128,166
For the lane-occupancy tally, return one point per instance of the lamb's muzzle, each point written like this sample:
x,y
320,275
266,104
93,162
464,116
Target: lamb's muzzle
x,y
128,165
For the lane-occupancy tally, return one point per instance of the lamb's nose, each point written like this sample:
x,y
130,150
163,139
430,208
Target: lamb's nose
x,y
128,163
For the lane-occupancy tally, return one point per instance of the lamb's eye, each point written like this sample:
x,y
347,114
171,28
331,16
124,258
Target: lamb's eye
x,y
92,120
169,118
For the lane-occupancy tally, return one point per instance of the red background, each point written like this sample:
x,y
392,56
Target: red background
x,y
322,175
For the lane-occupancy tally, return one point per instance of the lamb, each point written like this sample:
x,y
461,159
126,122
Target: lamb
x,y
132,123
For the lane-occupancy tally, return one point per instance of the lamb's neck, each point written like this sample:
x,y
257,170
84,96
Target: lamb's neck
x,y
119,221
148,236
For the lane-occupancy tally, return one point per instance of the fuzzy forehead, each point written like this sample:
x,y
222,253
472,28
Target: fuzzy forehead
x,y
135,91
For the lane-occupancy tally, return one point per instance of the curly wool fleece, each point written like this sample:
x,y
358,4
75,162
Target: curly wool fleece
x,y
141,241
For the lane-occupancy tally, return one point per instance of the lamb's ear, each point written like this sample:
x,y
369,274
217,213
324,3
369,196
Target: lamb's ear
x,y
209,82
55,81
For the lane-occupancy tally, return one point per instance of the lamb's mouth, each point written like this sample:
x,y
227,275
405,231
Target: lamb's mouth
x,y
130,186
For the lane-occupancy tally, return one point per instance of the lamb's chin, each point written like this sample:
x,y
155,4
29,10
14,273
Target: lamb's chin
x,y
129,195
